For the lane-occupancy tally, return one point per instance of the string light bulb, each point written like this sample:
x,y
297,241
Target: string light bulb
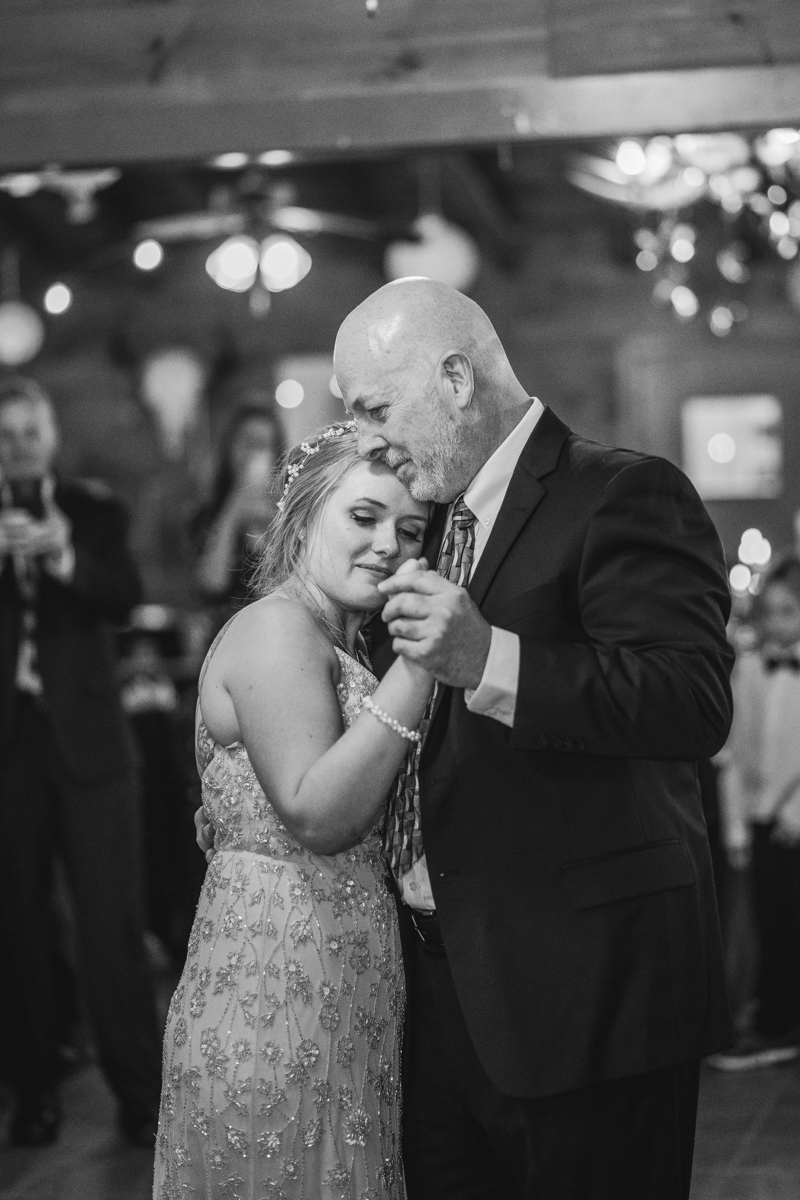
x,y
57,299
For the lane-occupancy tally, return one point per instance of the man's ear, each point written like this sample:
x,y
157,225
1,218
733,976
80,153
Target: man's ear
x,y
457,378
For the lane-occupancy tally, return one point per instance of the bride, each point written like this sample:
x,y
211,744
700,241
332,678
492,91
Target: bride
x,y
281,1053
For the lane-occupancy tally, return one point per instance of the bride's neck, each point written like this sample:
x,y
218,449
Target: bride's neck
x,y
341,625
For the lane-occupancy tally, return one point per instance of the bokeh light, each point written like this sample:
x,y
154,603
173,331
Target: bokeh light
x,y
722,448
234,264
148,255
57,298
631,158
740,577
684,301
283,262
289,393
754,549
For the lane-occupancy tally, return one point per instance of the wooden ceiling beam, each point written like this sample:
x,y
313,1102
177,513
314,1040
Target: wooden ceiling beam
x,y
84,84
594,36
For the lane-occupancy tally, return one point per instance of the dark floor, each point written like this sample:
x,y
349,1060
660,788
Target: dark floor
x,y
748,1145
748,1136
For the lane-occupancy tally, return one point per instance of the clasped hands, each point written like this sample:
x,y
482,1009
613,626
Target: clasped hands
x,y
436,625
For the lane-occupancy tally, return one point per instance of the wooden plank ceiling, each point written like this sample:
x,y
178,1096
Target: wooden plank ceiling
x,y
95,81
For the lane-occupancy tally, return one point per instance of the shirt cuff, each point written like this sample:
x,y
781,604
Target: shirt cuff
x,y
496,694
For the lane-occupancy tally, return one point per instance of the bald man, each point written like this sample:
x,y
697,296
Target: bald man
x,y
548,844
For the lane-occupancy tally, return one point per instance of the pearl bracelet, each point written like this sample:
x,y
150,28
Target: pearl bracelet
x,y
411,735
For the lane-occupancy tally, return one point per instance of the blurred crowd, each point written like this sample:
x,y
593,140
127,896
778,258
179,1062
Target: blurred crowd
x,y
98,786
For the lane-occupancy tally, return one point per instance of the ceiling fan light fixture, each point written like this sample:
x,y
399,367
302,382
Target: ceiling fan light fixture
x,y
234,160
283,262
275,158
234,264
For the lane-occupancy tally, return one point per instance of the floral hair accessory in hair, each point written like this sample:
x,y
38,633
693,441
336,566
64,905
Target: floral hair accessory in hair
x,y
309,449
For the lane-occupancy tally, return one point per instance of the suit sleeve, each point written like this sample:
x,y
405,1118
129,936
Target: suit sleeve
x,y
651,679
105,576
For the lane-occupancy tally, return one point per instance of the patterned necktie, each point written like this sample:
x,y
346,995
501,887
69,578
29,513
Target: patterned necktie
x,y
403,840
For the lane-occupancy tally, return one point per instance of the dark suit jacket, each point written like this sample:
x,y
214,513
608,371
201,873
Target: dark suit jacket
x,y
568,856
75,638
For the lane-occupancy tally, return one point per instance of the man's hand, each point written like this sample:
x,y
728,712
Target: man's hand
x,y
435,624
205,833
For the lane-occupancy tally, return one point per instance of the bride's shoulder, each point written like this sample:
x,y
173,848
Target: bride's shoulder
x,y
279,625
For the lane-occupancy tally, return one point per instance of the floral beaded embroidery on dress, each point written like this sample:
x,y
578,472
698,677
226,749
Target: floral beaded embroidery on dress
x,y
282,1047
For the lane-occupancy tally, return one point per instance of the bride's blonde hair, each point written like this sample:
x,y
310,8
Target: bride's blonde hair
x,y
308,474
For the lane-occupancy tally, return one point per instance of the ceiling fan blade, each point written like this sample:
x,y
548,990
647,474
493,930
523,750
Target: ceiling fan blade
x,y
187,227
294,219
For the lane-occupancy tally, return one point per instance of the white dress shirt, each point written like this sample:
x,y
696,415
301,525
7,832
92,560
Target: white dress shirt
x,y
496,694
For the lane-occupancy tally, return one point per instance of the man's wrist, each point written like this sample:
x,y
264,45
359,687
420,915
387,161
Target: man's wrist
x,y
496,694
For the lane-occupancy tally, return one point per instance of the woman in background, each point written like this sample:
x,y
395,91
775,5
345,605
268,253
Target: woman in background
x,y
239,511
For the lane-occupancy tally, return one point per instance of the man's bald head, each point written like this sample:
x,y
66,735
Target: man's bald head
x,y
424,373
413,319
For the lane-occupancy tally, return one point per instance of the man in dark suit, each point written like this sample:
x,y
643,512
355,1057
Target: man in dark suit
x,y
66,785
548,845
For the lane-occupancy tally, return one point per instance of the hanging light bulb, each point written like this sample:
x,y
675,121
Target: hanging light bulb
x,y
283,262
148,255
57,298
631,158
234,264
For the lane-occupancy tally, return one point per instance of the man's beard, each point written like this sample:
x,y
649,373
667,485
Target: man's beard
x,y
434,468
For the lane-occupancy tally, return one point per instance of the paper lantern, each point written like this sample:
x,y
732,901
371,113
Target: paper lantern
x,y
173,380
444,253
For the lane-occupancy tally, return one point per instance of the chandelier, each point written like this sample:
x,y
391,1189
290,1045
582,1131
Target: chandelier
x,y
753,185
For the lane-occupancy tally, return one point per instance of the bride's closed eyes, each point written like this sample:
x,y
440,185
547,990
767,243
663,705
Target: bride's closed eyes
x,y
366,517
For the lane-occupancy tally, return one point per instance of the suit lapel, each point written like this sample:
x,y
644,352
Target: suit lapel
x,y
524,494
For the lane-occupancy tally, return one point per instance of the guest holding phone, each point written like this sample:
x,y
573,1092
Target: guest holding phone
x,y
66,785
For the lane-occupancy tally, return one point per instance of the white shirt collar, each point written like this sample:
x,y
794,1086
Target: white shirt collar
x,y
486,493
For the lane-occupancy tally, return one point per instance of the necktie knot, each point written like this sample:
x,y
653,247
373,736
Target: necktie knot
x,y
462,515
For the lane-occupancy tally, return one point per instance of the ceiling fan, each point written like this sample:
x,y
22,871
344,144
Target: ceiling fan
x,y
258,206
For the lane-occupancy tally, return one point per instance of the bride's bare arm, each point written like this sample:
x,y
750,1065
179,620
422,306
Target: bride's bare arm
x,y
272,685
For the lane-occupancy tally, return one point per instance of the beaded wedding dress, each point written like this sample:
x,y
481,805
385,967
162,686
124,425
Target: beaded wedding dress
x,y
282,1047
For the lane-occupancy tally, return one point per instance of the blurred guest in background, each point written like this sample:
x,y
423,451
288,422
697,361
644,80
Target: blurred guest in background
x,y
66,783
154,706
239,510
761,814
